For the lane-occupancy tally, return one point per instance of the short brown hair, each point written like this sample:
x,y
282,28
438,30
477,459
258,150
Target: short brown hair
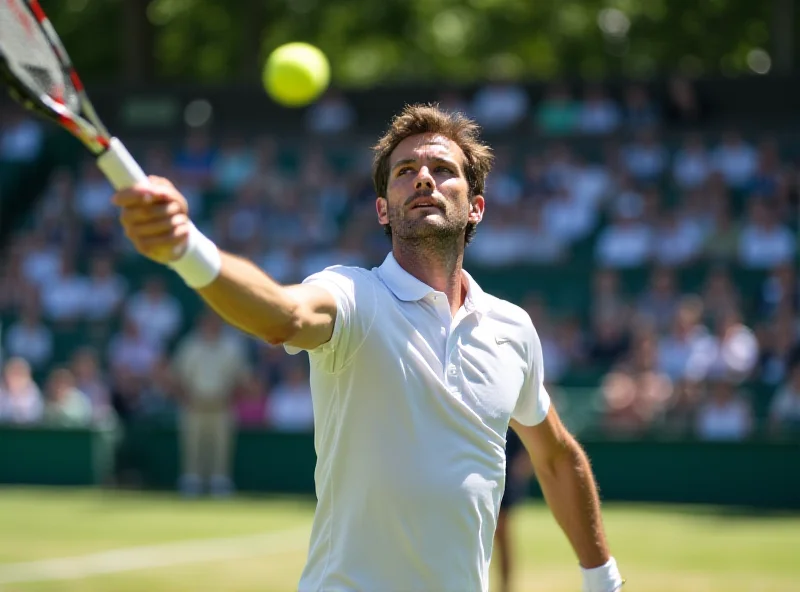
x,y
430,119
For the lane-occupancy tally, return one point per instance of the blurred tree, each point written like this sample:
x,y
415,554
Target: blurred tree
x,y
372,42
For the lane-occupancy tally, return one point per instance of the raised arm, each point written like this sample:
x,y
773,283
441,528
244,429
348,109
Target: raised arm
x,y
155,217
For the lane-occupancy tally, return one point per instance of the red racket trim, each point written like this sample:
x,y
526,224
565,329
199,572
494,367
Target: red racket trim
x,y
37,10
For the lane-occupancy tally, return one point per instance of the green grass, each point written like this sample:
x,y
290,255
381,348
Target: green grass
x,y
660,548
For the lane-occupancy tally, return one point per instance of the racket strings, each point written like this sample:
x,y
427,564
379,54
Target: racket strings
x,y
29,55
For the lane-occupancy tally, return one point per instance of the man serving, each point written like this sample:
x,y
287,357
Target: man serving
x,y
416,374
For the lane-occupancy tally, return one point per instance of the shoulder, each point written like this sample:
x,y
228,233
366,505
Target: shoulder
x,y
346,282
343,274
517,322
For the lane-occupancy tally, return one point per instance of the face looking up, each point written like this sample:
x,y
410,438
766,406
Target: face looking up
x,y
427,195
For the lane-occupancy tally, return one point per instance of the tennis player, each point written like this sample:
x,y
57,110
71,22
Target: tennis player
x,y
416,374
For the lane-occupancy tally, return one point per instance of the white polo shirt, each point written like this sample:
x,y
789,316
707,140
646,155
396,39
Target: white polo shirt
x,y
411,408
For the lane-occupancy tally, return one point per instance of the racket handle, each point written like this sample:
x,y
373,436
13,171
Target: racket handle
x,y
119,167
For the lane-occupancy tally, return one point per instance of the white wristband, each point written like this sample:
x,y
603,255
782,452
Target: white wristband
x,y
200,263
605,578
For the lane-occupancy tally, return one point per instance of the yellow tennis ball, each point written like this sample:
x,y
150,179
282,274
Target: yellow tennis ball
x,y
296,74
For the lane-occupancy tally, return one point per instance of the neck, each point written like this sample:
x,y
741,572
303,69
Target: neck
x,y
436,265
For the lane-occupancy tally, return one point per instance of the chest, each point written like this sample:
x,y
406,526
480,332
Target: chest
x,y
474,364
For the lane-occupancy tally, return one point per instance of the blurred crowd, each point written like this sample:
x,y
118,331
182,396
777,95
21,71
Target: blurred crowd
x,y
667,361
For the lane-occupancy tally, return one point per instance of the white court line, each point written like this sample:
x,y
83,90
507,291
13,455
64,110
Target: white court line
x,y
150,556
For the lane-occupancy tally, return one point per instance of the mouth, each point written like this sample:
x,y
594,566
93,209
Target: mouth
x,y
425,202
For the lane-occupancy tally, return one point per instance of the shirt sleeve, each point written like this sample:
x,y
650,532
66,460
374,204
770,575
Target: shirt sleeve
x,y
534,401
356,308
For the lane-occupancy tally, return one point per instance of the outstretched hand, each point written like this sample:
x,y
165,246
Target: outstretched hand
x,y
155,217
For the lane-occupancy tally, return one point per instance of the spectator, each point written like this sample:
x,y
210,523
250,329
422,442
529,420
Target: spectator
x,y
680,415
735,351
607,299
246,216
557,361
501,241
535,185
66,405
196,159
686,352
567,218
657,305
58,202
781,288
330,115
20,398
764,241
736,160
722,241
156,399
725,415
627,241
235,166
93,193
691,165
599,114
64,296
498,106
640,111
635,394
784,411
132,354
21,138
645,159
289,406
589,183
777,342
102,235
40,262
504,185
85,368
30,339
768,177
105,289
208,367
251,403
544,245
719,294
685,106
558,113
155,312
677,241
609,342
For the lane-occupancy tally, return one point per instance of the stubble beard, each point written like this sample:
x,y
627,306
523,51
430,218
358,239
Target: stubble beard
x,y
444,234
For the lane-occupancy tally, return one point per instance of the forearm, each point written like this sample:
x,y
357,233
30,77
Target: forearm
x,y
570,491
249,299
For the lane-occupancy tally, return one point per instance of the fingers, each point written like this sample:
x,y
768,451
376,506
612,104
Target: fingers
x,y
155,218
147,213
161,246
158,226
155,189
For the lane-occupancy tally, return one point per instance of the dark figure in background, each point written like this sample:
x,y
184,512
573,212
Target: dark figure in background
x,y
518,474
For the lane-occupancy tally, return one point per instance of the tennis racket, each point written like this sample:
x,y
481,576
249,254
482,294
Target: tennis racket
x,y
39,75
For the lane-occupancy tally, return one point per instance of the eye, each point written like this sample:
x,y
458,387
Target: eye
x,y
444,169
404,170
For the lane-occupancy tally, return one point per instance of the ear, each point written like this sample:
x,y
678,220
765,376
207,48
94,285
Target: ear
x,y
382,207
476,209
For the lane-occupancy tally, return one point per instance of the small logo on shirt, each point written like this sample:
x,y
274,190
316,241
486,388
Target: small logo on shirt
x,y
501,340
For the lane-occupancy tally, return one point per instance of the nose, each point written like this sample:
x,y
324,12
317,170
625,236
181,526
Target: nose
x,y
424,179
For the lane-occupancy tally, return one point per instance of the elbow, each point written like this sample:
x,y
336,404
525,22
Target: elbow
x,y
567,456
285,327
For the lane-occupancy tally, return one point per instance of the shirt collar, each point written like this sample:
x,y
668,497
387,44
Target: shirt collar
x,y
408,288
